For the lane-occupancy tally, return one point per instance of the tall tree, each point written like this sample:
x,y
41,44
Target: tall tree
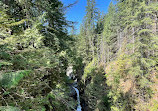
x,y
88,29
34,55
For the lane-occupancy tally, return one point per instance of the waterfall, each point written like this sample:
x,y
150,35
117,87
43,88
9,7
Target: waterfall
x,y
78,99
69,73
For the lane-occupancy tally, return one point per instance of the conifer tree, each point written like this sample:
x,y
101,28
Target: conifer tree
x,y
33,52
88,30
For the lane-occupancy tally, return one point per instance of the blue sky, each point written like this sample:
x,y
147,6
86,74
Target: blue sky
x,y
77,12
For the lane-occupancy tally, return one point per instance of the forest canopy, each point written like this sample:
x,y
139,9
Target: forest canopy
x,y
113,58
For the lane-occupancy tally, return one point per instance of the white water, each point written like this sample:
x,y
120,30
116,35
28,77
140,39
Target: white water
x,y
78,99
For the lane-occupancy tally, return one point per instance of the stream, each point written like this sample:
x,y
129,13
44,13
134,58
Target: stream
x,y
70,74
78,100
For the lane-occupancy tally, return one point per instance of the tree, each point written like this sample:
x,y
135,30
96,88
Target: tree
x,y
87,32
34,55
109,37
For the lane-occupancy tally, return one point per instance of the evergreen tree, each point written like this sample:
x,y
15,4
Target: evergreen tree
x,y
34,55
87,33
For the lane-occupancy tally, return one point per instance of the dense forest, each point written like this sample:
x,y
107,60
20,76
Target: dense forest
x,y
113,59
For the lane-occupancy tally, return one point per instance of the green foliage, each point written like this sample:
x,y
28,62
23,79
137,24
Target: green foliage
x,y
95,90
9,108
4,52
126,46
5,63
89,69
87,36
12,79
35,52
